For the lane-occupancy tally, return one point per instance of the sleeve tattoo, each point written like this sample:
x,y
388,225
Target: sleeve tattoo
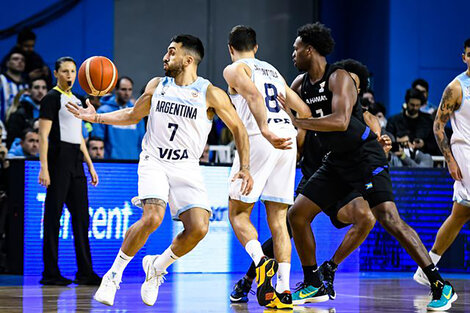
x,y
447,106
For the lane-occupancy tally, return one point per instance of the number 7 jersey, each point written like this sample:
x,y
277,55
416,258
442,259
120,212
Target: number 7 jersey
x,y
269,83
178,125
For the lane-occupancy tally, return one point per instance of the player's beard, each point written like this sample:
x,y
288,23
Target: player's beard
x,y
174,70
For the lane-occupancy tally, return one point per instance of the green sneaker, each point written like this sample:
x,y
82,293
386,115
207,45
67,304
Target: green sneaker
x,y
442,296
309,294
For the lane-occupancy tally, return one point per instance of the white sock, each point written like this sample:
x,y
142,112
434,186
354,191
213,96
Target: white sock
x,y
434,257
120,263
253,247
283,275
164,260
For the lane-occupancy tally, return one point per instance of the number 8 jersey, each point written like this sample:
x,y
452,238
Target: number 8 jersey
x,y
178,125
269,83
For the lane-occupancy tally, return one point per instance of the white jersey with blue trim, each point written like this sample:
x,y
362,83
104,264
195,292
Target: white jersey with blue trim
x,y
269,83
178,125
460,119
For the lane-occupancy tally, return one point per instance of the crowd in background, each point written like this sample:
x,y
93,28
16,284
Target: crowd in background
x,y
25,79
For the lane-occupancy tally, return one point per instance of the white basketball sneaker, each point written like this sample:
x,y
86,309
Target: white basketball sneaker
x,y
153,280
108,287
421,278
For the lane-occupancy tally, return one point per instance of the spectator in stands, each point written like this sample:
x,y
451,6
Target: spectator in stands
x,y
121,142
408,155
369,95
95,146
28,110
378,109
35,66
29,145
423,86
11,81
416,124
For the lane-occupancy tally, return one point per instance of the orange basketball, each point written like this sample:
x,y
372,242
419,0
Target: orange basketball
x,y
97,75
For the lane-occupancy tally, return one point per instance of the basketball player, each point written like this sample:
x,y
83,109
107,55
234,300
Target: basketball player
x,y
455,104
355,162
253,88
180,107
351,210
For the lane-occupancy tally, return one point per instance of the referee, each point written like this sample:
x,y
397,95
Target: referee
x,y
62,151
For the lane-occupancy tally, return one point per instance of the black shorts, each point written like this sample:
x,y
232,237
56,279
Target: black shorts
x,y
331,211
331,184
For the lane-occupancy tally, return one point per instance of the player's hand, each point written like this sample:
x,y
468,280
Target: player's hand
x,y
277,142
282,100
247,181
385,142
94,176
88,114
44,178
454,170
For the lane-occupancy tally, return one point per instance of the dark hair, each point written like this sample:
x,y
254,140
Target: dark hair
x,y
61,60
318,36
32,80
413,93
14,51
93,138
118,83
466,44
242,38
376,107
359,69
420,82
190,43
26,131
25,34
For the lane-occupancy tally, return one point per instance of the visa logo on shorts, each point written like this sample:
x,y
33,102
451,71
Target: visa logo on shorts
x,y
173,154
369,185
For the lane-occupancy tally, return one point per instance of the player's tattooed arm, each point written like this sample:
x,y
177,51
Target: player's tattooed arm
x,y
156,201
450,102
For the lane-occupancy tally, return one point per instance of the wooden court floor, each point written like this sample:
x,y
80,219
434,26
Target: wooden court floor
x,y
187,293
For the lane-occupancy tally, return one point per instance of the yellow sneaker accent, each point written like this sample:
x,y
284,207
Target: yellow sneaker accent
x,y
447,296
305,295
277,304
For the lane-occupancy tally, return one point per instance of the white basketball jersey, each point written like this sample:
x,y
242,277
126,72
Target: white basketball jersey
x,y
269,83
178,126
460,119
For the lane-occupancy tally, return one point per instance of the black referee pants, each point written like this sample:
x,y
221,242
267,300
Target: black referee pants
x,y
69,186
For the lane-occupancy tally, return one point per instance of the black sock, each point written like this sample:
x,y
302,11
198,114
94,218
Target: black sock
x,y
432,273
251,271
333,265
311,275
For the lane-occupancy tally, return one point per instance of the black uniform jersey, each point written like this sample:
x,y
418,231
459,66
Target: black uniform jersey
x,y
318,97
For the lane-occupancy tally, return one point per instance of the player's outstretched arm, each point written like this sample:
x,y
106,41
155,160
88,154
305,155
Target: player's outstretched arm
x,y
344,97
450,102
238,77
219,101
127,116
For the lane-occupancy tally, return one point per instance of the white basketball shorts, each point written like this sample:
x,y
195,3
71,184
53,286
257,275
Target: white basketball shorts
x,y
461,154
273,173
180,184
